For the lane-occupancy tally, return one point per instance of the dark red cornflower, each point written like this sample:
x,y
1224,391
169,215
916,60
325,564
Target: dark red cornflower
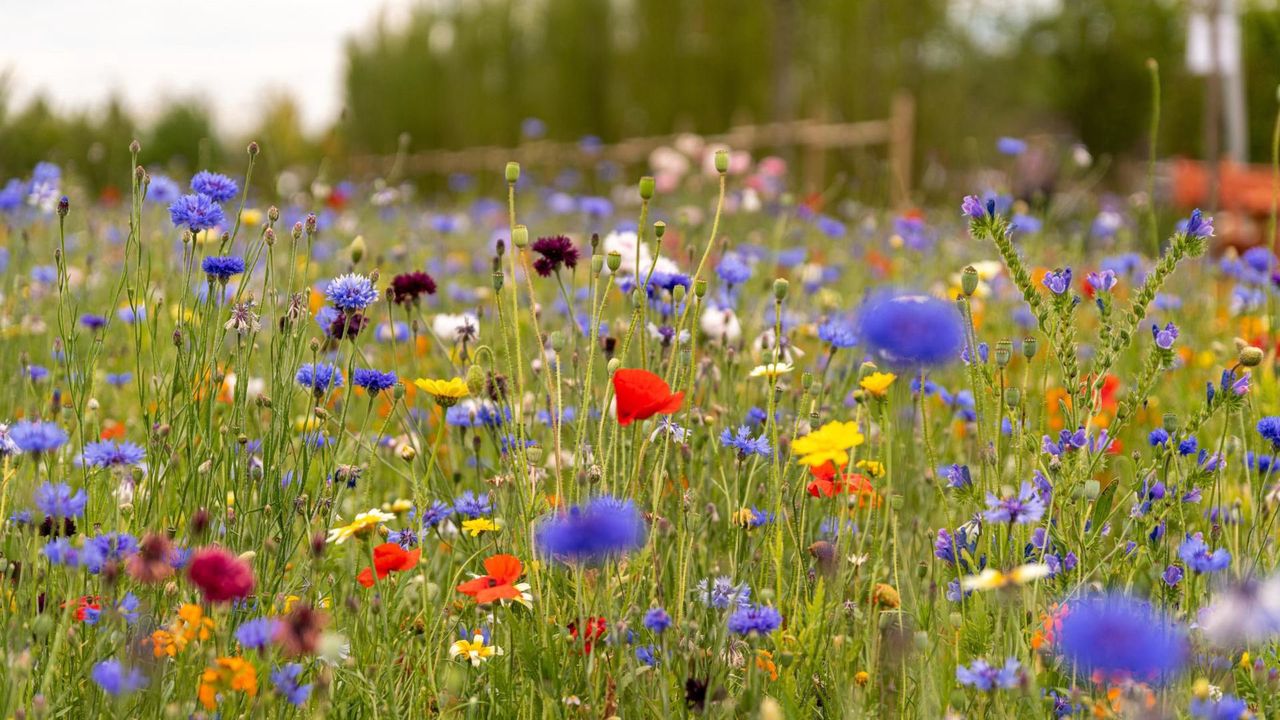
x,y
556,250
220,574
409,287
299,631
347,326
153,561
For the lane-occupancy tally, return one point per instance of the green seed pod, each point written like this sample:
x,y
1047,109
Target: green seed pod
x,y
397,391
513,173
646,187
520,236
637,297
1012,397
614,364
780,287
475,380
659,229
1029,347
1170,423
613,260
678,293
806,381
557,341
597,264
498,280
357,249
969,281
722,161
1004,352
700,288
534,453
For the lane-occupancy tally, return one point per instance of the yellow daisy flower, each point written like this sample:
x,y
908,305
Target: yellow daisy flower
x,y
829,443
474,650
475,526
877,383
446,392
362,525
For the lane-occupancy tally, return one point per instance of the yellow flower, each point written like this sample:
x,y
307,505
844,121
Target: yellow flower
x,y
401,505
227,674
771,370
829,443
871,467
475,526
446,392
474,650
251,217
877,383
363,524
992,579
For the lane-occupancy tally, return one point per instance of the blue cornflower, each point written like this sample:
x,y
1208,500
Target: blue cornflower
x,y
599,529
1226,707
1199,225
127,608
1011,145
1164,338
733,269
162,189
1158,437
57,500
319,377
1058,281
657,620
1121,637
647,654
721,593
285,680
222,267
472,505
373,381
744,443
216,187
351,292
107,547
1196,554
37,372
435,513
107,454
114,679
406,538
980,675
1025,507
1188,446
837,333
958,476
257,633
36,436
758,619
911,330
93,321
1268,428
196,213
953,549
61,552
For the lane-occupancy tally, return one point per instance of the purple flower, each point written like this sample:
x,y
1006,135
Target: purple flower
x,y
1103,281
1172,575
222,268
1025,507
1199,225
657,620
107,454
1011,146
57,500
1121,637
373,381
1196,554
114,679
982,676
285,680
1058,281
973,208
196,213
757,619
37,436
351,292
257,633
602,528
217,187
1164,338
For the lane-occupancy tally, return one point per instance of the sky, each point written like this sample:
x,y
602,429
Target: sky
x,y
229,52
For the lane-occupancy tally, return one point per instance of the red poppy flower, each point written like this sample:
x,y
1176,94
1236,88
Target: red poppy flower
x,y
389,557
827,483
641,395
499,583
594,629
85,604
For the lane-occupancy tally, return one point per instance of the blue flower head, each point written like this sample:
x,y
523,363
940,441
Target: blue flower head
x,y
196,213
472,505
107,454
222,268
217,187
373,381
319,377
757,619
57,500
981,675
1196,554
911,330
1121,638
601,528
1058,281
351,292
115,679
35,436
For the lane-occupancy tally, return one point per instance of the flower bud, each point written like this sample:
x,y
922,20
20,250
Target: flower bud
x,y
700,288
1004,352
780,287
513,172
1170,423
722,161
1029,347
597,264
1250,356
357,249
678,293
475,380
614,260
520,236
253,148
969,281
646,187
659,229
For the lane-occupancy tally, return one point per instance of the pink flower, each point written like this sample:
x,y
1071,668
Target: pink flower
x,y
220,575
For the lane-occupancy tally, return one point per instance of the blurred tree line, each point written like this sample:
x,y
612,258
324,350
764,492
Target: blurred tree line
x,y
459,73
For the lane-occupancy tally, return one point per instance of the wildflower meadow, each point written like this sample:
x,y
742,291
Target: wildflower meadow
x,y
691,443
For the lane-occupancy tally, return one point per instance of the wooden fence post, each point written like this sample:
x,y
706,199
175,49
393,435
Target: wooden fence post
x,y
902,129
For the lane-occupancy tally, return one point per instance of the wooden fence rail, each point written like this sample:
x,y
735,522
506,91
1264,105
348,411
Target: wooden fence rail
x,y
816,138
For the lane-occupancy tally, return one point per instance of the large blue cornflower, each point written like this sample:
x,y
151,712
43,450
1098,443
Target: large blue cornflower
x,y
1121,638
115,679
657,620
837,333
285,680
61,552
981,675
35,436
1196,554
1269,429
351,292
107,454
319,377
373,381
602,528
1025,507
196,213
435,513
257,633
911,330
223,267
758,619
163,190
721,593
744,443
733,269
107,547
215,186
472,505
57,500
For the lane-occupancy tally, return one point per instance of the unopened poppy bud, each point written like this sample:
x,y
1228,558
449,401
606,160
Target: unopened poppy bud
x,y
520,236
780,287
1251,356
722,161
969,281
597,264
513,173
637,297
1012,396
556,340
357,249
475,380
1092,488
407,452
659,229
498,280
646,187
678,293
614,364
700,288
1170,423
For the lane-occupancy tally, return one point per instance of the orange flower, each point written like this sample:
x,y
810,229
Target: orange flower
x,y
827,484
191,624
499,583
389,557
227,674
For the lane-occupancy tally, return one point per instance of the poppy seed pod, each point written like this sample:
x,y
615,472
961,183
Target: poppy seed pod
x,y
969,281
513,173
646,187
722,161
520,236
613,260
1250,356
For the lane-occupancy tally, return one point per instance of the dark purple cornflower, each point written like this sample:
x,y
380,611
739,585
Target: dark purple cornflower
x,y
346,325
1058,281
555,251
1268,428
408,288
1025,507
93,321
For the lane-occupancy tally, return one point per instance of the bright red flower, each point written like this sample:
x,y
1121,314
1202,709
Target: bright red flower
x,y
594,629
828,483
641,395
389,557
85,604
220,574
499,583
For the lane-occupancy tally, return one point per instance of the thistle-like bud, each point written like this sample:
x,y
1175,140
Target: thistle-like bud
x,y
297,230
513,173
646,187
520,236
273,214
253,148
64,206
969,281
312,224
722,161
135,147
534,453
269,237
